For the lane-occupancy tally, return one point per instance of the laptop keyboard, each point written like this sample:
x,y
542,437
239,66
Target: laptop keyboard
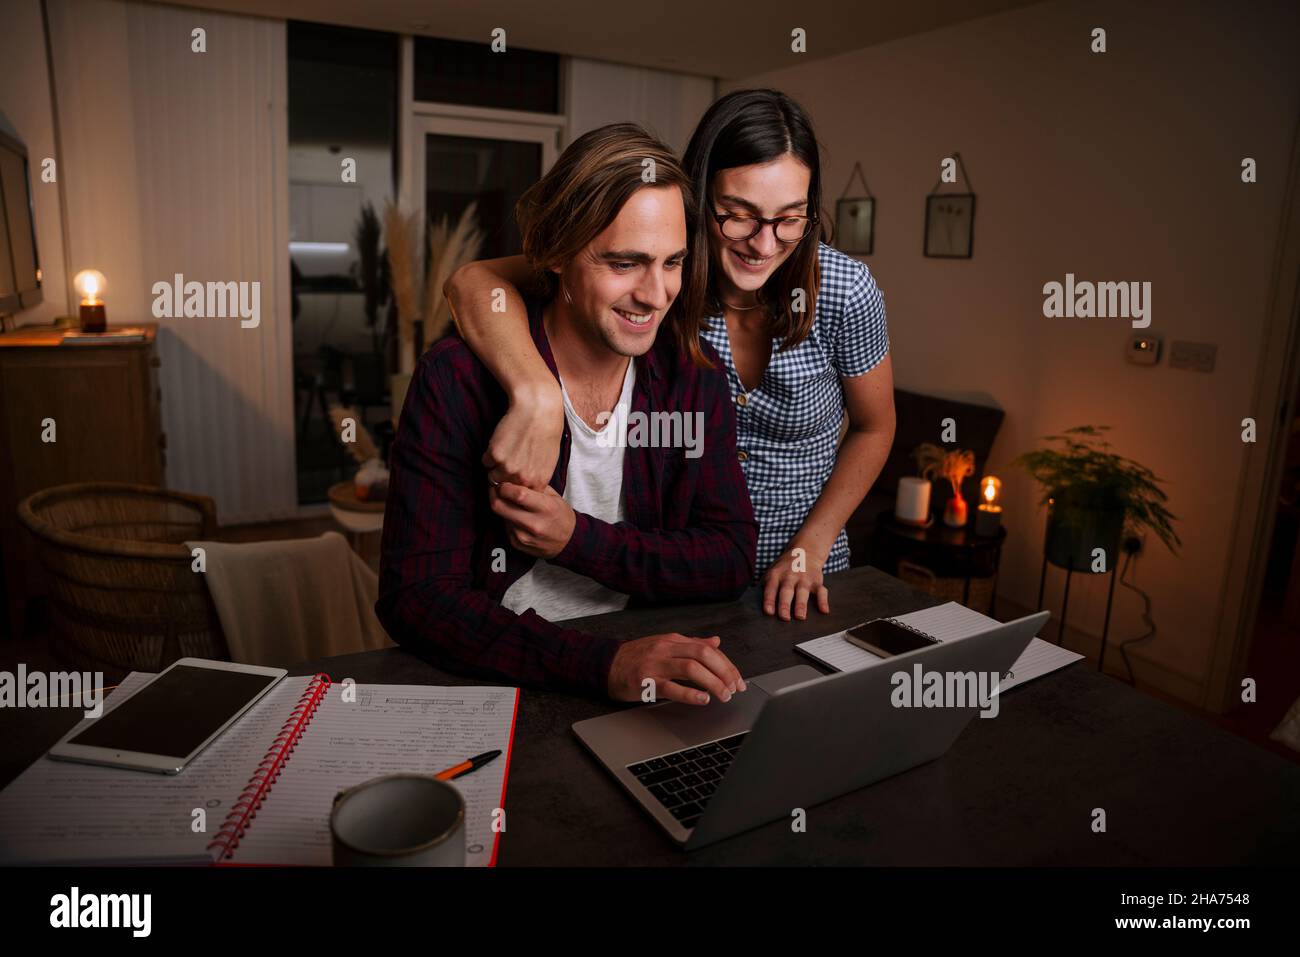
x,y
684,781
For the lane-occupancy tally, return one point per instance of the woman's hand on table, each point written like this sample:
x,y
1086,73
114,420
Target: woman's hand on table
x,y
793,579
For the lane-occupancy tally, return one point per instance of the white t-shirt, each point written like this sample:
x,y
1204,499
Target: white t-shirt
x,y
593,485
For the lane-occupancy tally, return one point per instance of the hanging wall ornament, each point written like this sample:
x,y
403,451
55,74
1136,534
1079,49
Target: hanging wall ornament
x,y
950,219
855,218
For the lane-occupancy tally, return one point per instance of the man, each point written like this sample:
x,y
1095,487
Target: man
x,y
474,576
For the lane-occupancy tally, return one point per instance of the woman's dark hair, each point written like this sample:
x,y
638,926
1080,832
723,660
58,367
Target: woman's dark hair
x,y
741,129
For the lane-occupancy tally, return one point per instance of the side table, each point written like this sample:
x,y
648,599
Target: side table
x,y
360,520
947,552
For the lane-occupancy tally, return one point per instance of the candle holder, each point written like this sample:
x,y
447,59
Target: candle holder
x,y
988,517
987,521
93,317
90,283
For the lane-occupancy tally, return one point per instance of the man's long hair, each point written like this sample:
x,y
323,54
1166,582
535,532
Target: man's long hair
x,y
581,195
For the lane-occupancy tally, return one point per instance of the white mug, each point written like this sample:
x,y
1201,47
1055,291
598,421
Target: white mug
x,y
399,820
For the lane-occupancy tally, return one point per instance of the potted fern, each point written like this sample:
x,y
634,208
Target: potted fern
x,y
1094,497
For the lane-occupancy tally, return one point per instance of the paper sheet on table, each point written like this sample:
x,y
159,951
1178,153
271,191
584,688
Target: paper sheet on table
x,y
947,622
388,729
63,812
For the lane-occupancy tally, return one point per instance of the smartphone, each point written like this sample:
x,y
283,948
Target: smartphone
x,y
887,638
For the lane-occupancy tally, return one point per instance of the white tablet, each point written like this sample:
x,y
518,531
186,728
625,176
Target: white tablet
x,y
164,724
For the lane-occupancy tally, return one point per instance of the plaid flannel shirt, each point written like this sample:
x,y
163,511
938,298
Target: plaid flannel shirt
x,y
446,559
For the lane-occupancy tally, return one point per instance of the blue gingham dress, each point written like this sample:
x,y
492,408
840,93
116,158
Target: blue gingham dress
x,y
788,429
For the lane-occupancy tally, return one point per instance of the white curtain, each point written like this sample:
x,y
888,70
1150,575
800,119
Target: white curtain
x,y
173,161
668,104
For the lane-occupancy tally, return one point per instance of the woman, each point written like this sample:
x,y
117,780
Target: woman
x,y
799,327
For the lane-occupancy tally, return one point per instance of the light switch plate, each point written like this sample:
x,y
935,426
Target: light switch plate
x,y
1197,356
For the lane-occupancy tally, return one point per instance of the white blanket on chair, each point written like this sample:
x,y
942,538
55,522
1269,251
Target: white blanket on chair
x,y
282,602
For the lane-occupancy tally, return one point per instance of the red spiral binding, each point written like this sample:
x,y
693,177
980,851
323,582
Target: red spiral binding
x,y
268,769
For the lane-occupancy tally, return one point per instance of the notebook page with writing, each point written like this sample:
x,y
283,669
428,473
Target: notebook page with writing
x,y
64,812
388,729
947,622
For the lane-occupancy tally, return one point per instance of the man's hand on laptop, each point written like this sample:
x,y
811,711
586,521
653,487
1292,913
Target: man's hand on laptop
x,y
669,659
540,523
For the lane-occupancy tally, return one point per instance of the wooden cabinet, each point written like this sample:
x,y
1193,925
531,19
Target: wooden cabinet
x,y
104,401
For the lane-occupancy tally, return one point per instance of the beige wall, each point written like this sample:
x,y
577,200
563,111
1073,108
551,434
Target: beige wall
x,y
1115,166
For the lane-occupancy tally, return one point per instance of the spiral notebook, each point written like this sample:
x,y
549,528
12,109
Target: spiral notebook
x,y
262,792
947,622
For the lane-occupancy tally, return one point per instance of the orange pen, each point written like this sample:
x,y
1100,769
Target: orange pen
x,y
466,766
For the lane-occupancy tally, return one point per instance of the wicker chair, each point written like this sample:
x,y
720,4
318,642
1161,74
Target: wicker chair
x,y
122,593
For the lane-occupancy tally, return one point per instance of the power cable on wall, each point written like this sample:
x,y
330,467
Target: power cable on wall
x,y
1131,548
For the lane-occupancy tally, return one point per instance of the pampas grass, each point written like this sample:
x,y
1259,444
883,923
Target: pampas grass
x,y
402,232
364,448
449,249
954,465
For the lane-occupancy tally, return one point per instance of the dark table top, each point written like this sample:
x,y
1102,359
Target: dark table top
x,y
1017,789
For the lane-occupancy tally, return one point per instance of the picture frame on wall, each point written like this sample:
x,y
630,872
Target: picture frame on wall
x,y
949,225
855,225
855,217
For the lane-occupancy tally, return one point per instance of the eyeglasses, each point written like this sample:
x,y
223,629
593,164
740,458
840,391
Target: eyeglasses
x,y
787,229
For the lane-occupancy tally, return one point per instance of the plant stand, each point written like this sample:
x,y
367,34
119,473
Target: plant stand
x,y
1065,605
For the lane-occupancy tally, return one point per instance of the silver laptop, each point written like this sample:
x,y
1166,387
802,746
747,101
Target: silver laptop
x,y
796,738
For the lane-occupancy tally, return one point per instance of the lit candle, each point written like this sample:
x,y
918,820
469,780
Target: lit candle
x,y
988,518
913,503
91,284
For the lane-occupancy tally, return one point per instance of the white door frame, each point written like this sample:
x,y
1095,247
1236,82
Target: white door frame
x,y
1276,381
439,122
420,117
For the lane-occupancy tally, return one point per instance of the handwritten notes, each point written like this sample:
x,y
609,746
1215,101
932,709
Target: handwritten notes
x,y
63,812
388,729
